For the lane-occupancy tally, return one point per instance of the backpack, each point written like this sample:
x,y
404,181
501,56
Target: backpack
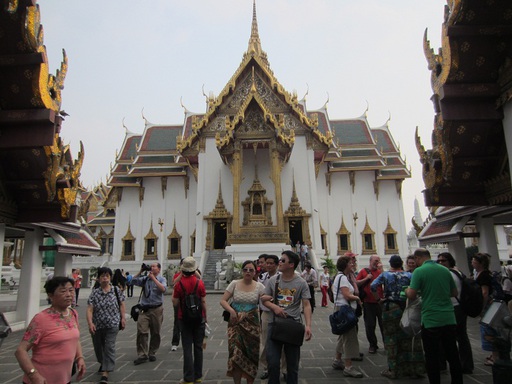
x,y
471,299
192,308
497,289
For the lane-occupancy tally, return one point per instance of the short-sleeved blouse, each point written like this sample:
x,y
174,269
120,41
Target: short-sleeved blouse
x,y
54,339
340,281
245,299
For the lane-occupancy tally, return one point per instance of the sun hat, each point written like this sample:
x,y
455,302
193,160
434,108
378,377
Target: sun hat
x,y
189,264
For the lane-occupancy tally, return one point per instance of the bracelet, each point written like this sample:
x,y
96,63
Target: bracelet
x,y
79,357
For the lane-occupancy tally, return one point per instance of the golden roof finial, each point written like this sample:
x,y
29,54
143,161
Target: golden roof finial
x,y
254,40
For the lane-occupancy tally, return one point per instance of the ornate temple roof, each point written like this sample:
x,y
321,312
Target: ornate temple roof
x,y
166,150
471,77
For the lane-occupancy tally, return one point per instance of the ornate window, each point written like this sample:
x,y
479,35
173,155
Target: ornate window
x,y
368,238
128,251
151,244
174,239
390,244
323,239
343,236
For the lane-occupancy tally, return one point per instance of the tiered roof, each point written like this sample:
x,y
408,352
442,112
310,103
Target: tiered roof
x,y
167,150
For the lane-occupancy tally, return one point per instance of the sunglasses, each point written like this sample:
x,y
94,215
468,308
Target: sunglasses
x,y
248,270
441,261
282,261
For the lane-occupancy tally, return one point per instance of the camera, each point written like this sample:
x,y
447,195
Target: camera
x,y
145,267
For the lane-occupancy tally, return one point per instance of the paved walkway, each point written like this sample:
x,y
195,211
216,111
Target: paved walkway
x,y
315,361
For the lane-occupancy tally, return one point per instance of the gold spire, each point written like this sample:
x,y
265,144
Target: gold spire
x,y
254,40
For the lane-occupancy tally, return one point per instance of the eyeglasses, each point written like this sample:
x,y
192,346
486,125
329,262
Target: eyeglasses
x,y
283,261
441,261
248,270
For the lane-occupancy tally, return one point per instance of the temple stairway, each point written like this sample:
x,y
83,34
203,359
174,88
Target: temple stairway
x,y
209,274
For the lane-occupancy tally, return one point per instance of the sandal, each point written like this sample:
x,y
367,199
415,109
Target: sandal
x,y
387,373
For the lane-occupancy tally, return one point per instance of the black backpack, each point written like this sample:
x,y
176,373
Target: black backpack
x,y
192,308
471,299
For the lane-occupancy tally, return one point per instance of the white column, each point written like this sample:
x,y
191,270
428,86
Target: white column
x,y
487,241
507,125
2,244
458,251
29,292
63,264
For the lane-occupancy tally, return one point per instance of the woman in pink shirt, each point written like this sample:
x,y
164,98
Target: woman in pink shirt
x,y
54,338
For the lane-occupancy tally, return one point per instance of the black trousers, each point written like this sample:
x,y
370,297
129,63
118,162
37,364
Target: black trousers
x,y
463,343
372,314
433,340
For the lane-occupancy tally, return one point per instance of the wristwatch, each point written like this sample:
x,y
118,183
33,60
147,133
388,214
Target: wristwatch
x,y
31,372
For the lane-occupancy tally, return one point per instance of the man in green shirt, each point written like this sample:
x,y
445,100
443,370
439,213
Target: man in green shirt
x,y
435,285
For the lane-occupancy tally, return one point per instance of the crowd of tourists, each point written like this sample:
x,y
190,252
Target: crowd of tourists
x,y
268,314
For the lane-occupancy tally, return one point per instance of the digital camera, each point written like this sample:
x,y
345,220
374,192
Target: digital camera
x,y
145,267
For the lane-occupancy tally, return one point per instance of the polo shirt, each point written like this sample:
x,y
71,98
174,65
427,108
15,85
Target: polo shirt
x,y
434,284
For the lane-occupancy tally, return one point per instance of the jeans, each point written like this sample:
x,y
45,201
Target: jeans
x,y
433,339
292,353
104,342
192,336
372,313
312,299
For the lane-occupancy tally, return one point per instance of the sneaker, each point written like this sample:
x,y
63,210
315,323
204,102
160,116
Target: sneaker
x,y
197,381
104,380
372,350
338,364
140,360
182,381
152,358
352,372
174,348
264,375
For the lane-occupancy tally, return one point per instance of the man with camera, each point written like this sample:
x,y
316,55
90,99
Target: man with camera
x,y
152,312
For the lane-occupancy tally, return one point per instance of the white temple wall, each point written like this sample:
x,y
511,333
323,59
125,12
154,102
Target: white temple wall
x,y
127,213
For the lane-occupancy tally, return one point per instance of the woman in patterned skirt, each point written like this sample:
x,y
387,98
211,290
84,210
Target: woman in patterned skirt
x,y
243,325
405,353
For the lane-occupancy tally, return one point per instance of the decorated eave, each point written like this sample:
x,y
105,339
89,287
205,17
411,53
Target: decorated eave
x,y
254,63
79,242
103,219
448,222
471,77
39,177
152,154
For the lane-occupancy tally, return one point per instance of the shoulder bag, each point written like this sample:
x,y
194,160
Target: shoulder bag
x,y
119,306
135,311
286,329
342,320
411,318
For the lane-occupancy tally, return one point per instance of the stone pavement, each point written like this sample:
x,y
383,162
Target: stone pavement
x,y
316,354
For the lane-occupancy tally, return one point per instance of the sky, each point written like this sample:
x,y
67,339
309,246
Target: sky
x,y
132,58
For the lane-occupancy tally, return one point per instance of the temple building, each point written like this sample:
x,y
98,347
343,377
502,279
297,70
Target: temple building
x,y
467,172
256,173
39,179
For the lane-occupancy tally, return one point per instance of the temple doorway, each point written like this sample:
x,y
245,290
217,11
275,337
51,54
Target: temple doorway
x,y
295,231
220,234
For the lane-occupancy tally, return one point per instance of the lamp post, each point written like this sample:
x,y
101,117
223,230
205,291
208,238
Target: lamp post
x,y
161,253
354,216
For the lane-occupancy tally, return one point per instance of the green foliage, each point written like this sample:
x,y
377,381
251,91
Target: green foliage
x,y
329,263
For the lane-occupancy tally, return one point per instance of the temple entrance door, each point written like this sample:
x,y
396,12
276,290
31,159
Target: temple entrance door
x,y
295,231
220,234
